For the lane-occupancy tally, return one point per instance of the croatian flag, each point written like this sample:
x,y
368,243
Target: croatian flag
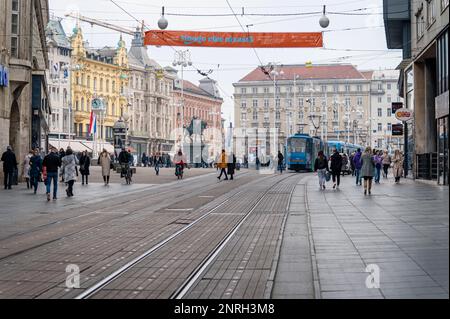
x,y
93,124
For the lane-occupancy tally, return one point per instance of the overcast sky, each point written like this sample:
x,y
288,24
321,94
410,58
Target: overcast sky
x,y
230,65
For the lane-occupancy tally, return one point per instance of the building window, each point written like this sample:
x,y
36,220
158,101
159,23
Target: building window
x,y
277,89
389,99
444,4
420,25
359,88
266,103
389,112
323,88
255,115
442,63
266,90
359,101
277,103
380,99
289,89
95,84
347,101
244,116
336,88
380,86
301,88
255,103
431,12
255,90
277,115
389,86
300,102
347,88
380,127
244,104
289,103
243,91
380,112
389,127
15,27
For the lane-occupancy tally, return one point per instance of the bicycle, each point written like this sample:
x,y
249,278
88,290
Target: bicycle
x,y
126,172
179,170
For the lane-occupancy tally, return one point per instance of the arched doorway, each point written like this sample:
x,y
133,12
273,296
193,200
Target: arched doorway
x,y
14,128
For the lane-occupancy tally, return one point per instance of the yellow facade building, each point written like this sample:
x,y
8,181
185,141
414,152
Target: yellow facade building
x,y
98,73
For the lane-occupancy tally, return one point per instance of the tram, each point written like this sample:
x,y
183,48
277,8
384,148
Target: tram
x,y
301,152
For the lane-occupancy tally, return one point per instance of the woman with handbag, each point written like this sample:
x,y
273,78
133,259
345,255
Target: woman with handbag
x,y
69,165
105,162
321,167
85,163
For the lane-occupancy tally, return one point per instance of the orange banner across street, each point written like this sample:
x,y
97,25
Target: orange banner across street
x,y
235,39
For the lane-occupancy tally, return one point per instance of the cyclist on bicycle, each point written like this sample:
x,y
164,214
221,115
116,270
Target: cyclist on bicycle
x,y
180,162
124,161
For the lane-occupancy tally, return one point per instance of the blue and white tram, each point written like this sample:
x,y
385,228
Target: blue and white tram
x,y
301,152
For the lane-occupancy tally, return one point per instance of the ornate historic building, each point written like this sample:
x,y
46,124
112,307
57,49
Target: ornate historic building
x,y
102,74
151,113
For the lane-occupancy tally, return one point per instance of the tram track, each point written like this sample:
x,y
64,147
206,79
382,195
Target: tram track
x,y
195,274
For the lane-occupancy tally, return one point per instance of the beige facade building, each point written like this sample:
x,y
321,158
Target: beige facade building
x,y
24,106
330,101
151,111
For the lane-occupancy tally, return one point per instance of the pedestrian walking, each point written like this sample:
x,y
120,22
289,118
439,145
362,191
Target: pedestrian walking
x,y
321,167
378,165
157,162
398,166
51,164
336,168
367,169
223,165
26,168
105,162
9,166
386,164
232,166
69,169
35,170
280,162
85,164
144,159
358,166
345,167
352,163
61,154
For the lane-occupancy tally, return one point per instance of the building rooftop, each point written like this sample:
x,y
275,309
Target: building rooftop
x,y
192,88
303,72
55,33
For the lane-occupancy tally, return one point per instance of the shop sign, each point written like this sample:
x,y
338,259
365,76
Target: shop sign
x,y
404,114
4,76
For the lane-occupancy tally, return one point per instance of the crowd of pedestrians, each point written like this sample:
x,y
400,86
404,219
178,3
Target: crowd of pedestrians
x,y
369,166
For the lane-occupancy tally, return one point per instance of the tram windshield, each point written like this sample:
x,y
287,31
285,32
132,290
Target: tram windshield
x,y
297,145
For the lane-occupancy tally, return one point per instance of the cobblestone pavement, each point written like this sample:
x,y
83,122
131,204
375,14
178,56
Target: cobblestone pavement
x,y
403,229
260,236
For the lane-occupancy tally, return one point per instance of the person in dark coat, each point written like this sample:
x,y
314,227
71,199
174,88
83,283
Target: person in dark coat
x,y
9,166
52,163
280,162
85,163
232,166
321,167
336,168
35,170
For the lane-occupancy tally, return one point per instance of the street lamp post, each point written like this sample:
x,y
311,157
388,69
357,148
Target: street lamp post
x,y
182,59
276,72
